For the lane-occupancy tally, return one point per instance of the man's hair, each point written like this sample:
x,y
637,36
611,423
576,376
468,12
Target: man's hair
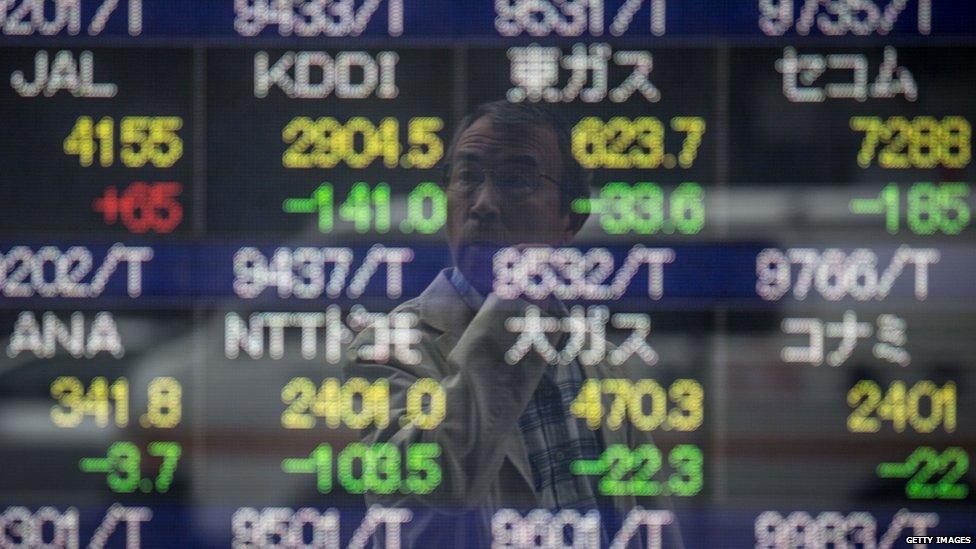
x,y
575,181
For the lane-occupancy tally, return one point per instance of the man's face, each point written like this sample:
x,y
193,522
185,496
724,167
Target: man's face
x,y
489,217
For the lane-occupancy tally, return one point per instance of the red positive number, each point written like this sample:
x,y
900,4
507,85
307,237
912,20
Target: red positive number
x,y
142,207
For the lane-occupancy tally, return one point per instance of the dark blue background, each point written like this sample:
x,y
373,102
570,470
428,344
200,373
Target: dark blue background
x,y
475,19
702,275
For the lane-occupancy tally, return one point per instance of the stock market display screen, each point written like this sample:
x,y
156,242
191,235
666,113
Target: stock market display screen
x,y
219,219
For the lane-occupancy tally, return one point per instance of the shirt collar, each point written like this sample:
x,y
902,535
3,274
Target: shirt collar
x,y
469,295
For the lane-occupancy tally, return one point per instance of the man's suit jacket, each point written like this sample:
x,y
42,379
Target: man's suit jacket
x,y
483,459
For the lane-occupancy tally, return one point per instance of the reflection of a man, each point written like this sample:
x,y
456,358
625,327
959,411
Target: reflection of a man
x,y
508,439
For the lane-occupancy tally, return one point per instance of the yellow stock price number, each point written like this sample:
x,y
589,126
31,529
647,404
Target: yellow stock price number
x,y
109,402
627,401
325,142
923,406
165,408
635,143
922,142
357,403
143,140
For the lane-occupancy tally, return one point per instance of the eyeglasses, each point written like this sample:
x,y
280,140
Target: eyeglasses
x,y
515,181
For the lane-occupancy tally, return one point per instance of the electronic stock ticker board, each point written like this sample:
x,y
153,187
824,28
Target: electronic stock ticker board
x,y
204,201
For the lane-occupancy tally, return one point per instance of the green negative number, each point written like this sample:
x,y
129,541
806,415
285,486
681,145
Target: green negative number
x,y
929,208
953,463
688,208
630,472
423,469
377,468
383,462
687,462
322,459
644,208
647,462
938,208
170,452
346,469
426,209
621,463
125,472
366,208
